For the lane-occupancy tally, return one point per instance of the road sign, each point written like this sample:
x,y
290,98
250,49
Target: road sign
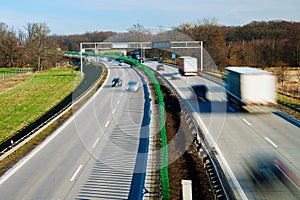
x,y
161,45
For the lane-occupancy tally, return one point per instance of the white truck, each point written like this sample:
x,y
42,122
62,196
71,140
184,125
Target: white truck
x,y
187,65
248,87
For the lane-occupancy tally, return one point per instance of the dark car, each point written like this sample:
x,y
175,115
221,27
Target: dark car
x,y
160,67
121,63
200,91
116,82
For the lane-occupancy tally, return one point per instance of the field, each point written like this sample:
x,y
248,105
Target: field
x,y
288,80
6,73
26,97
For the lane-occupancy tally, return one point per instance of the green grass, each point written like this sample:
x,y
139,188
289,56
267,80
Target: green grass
x,y
6,73
289,100
32,96
15,69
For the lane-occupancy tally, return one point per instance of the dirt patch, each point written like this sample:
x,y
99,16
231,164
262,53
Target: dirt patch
x,y
11,83
288,80
184,162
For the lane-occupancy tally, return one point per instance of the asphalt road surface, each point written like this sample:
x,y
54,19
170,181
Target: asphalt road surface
x,y
239,138
92,155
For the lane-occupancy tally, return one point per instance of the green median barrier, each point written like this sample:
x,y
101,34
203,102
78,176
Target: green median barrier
x,y
164,142
164,169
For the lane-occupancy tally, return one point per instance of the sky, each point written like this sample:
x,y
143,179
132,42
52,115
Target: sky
x,y
66,17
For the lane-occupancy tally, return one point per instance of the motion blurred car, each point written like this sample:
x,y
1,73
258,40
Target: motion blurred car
x,y
121,63
133,86
267,171
175,76
160,67
200,91
116,82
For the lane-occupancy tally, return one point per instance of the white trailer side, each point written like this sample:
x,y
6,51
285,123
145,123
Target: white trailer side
x,y
250,86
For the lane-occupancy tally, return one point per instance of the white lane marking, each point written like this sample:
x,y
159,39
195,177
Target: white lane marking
x,y
212,141
219,100
121,94
106,124
75,174
94,145
20,164
271,142
248,123
114,110
118,102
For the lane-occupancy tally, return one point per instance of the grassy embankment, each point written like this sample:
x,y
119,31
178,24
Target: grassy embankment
x,y
25,98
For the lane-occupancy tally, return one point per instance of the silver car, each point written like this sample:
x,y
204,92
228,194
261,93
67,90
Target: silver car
x,y
133,86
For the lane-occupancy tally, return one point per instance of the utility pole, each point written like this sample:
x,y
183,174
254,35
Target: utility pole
x,y
201,55
81,65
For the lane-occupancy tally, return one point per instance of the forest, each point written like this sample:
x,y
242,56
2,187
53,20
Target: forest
x,y
258,44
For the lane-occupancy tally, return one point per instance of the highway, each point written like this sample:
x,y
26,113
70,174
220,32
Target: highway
x,y
92,155
235,136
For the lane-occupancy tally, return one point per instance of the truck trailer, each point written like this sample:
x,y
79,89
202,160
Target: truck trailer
x,y
187,65
246,87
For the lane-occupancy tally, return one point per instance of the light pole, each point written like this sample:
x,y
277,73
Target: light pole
x,y
201,55
81,65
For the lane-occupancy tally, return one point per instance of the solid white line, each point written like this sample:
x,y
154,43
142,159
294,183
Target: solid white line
x,y
106,124
271,142
213,143
75,174
27,158
94,145
248,123
20,164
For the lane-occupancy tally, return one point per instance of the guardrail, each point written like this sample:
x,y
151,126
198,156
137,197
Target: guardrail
x,y
165,185
219,184
12,144
221,190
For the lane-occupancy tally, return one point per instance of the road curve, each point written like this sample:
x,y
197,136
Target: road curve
x,y
92,155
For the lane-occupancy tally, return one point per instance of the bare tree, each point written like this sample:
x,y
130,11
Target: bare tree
x,y
8,46
37,43
281,74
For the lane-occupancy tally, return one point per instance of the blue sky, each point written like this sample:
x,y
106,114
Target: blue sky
x,y
75,16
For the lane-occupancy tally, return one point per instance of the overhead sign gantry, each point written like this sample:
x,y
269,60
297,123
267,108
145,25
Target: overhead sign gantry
x,y
96,46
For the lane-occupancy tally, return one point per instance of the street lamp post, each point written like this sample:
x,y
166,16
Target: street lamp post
x,y
81,65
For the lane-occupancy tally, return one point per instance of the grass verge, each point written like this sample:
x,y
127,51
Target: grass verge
x,y
16,156
24,99
294,102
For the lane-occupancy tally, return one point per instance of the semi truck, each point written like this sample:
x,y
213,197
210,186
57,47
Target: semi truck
x,y
248,87
187,65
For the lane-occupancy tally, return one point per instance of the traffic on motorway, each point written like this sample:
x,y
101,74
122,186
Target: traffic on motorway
x,y
256,149
92,155
97,149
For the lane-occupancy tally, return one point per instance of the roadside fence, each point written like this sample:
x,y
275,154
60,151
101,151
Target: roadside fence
x,y
10,72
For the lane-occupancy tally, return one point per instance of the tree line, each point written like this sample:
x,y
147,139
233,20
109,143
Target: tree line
x,y
27,47
258,44
32,46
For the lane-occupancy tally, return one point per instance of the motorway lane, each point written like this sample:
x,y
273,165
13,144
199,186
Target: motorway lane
x,y
95,149
235,134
